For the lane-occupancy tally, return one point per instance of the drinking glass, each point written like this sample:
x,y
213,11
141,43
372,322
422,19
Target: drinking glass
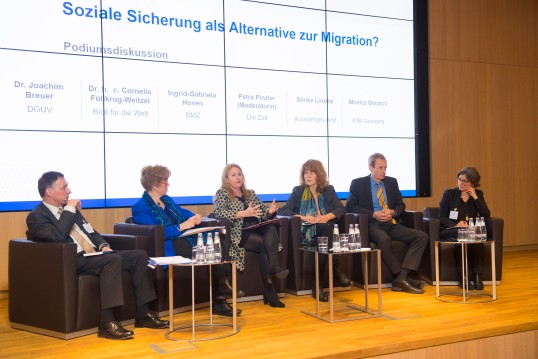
x,y
344,242
193,257
323,243
462,234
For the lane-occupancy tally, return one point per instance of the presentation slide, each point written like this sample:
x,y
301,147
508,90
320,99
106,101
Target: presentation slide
x,y
99,89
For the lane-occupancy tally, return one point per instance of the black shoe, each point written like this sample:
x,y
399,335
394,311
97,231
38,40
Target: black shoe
x,y
405,286
340,279
470,285
270,296
322,295
152,321
221,307
417,283
113,330
478,284
225,289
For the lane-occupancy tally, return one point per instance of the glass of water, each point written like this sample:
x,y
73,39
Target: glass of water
x,y
344,242
323,244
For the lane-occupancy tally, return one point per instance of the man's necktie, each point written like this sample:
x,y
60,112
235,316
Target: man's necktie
x,y
79,238
381,200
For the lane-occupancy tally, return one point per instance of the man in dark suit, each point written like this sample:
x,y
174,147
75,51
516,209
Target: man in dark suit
x,y
380,198
58,219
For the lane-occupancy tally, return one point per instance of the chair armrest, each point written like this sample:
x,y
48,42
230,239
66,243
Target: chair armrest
x,y
432,226
125,241
412,219
154,235
42,276
497,236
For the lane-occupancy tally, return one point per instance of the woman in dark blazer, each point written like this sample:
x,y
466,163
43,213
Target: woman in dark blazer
x,y
316,202
457,206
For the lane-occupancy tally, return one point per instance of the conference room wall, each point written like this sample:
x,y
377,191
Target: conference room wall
x,y
484,109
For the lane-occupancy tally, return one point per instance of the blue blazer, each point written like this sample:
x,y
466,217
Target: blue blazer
x,y
142,214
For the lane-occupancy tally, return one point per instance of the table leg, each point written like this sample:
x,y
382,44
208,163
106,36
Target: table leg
x,y
234,297
464,271
193,303
379,281
436,270
210,294
366,278
316,260
493,271
171,298
331,289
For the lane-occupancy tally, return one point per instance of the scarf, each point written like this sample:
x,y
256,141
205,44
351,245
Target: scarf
x,y
308,208
164,220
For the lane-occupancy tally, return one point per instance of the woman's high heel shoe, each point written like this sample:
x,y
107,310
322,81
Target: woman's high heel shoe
x,y
270,296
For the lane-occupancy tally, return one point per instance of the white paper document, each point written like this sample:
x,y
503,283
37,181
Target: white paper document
x,y
192,231
160,261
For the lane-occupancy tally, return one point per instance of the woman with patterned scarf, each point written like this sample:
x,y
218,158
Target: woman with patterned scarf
x,y
316,202
234,202
156,207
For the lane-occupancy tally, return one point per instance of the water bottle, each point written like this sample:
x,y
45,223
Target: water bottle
x,y
478,229
200,249
336,239
472,233
358,241
352,237
209,249
484,230
216,245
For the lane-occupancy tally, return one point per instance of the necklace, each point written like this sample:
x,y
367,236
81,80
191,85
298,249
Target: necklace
x,y
157,200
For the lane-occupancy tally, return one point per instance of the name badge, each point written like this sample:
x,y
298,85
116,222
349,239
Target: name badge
x,y
454,215
88,227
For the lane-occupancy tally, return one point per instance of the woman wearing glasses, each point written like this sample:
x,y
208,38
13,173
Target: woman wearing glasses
x,y
157,208
457,206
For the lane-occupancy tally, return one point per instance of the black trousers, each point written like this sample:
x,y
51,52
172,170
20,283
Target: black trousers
x,y
263,241
475,252
383,234
108,268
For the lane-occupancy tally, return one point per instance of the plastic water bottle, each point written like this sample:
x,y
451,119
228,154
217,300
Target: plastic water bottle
x,y
216,244
484,230
352,237
200,249
472,230
358,242
478,229
336,239
209,249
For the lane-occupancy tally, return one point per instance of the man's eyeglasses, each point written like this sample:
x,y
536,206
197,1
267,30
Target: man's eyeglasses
x,y
463,180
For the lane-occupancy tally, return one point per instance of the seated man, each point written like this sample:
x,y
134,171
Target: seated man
x,y
379,196
58,219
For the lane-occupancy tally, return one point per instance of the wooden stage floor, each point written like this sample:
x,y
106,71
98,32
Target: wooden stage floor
x,y
409,322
